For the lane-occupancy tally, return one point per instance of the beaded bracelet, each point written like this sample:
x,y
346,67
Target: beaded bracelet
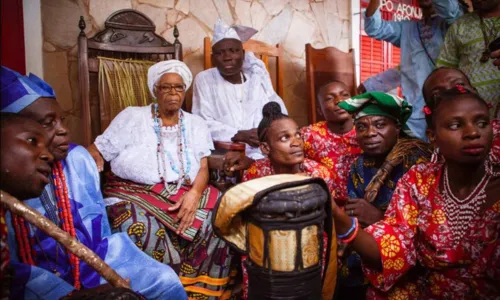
x,y
343,236
353,235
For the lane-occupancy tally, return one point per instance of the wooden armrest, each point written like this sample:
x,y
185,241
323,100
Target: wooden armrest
x,y
216,161
230,146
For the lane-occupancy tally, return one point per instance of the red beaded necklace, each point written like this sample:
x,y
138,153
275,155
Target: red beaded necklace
x,y
26,251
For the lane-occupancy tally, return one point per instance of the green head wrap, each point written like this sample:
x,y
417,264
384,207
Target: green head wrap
x,y
378,104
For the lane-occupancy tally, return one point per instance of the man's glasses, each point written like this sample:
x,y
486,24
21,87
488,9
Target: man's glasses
x,y
165,88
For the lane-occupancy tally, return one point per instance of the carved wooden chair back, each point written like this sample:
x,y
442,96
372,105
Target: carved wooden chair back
x,y
128,35
325,65
265,52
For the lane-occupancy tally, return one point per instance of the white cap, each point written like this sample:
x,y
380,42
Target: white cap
x,y
237,32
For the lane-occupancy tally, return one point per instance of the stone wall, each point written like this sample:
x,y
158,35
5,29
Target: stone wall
x,y
293,23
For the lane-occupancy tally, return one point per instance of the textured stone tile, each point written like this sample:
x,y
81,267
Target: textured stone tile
x,y
331,7
206,13
344,9
224,11
276,30
346,29
293,67
172,17
191,35
242,9
334,23
259,15
334,31
273,7
159,3
183,5
55,72
317,40
48,47
344,44
302,5
157,15
319,14
60,22
195,61
300,32
330,24
73,53
100,10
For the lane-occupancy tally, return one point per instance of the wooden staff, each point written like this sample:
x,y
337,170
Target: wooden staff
x,y
61,236
400,151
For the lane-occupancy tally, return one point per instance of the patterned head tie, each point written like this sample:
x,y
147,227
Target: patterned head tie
x,y
18,91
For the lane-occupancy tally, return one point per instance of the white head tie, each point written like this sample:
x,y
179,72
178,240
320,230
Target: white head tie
x,y
168,66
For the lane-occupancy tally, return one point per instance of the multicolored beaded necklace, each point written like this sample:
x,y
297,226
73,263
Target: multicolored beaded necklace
x,y
181,148
25,242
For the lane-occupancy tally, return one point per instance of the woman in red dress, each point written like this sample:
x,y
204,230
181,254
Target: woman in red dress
x,y
440,236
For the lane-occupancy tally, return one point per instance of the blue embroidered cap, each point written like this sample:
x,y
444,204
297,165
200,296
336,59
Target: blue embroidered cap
x,y
18,91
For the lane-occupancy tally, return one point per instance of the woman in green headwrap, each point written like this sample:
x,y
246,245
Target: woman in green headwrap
x,y
389,151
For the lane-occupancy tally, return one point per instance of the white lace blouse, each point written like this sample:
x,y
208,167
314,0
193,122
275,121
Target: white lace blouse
x,y
130,144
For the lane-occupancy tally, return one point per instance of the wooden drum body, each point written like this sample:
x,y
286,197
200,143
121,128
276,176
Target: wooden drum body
x,y
283,224
285,242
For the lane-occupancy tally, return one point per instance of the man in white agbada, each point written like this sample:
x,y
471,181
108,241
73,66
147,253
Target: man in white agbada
x,y
230,96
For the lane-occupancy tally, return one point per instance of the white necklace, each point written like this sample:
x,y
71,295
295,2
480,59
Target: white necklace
x,y
461,212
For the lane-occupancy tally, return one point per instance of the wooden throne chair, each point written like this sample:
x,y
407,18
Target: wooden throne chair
x,y
325,65
128,44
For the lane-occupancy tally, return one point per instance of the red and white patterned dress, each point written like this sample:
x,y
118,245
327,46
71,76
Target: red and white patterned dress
x,y
336,152
415,231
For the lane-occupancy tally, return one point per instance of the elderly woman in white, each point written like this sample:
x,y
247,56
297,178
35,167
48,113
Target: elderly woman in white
x,y
158,192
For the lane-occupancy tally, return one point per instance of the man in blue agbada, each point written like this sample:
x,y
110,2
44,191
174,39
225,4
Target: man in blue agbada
x,y
51,276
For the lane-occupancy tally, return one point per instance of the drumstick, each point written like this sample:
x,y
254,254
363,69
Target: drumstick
x,y
61,236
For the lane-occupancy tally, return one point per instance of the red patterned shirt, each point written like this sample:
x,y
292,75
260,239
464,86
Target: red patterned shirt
x,y
263,167
336,152
415,231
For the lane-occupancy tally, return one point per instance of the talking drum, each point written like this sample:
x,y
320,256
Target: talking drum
x,y
280,222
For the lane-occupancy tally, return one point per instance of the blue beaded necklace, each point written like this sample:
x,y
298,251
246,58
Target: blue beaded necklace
x,y
160,151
